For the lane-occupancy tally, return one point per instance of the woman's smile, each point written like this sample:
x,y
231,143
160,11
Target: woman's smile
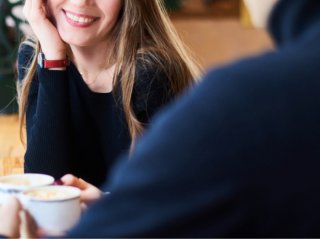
x,y
79,20
84,23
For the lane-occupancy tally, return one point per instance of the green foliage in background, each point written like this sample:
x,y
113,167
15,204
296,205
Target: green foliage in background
x,y
173,5
9,43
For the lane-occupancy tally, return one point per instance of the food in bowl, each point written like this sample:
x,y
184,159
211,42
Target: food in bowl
x,y
16,181
47,195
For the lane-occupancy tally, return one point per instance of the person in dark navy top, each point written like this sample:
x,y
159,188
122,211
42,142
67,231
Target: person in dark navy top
x,y
237,156
92,78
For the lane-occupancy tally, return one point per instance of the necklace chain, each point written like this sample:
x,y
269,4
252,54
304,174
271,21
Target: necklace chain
x,y
95,78
97,75
109,71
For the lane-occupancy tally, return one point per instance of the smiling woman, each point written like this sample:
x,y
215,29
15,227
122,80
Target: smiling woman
x,y
104,69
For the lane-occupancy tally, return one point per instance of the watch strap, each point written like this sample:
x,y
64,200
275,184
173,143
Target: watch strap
x,y
47,64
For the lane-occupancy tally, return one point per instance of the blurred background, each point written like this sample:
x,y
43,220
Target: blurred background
x,y
216,31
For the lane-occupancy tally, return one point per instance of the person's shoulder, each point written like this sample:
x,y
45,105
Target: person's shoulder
x,y
249,70
27,46
150,74
149,66
25,57
269,69
26,52
259,84
152,88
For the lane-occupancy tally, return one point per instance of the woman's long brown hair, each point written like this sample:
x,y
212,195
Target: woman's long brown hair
x,y
143,32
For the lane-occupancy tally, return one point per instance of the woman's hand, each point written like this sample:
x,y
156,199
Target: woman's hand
x,y
89,193
52,46
9,218
30,229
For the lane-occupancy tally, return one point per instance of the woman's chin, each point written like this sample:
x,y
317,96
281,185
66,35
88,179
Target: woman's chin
x,y
78,42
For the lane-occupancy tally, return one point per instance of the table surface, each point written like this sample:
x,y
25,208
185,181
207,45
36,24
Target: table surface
x,y
11,148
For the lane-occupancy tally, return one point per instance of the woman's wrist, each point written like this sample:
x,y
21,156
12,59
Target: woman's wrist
x,y
53,62
54,55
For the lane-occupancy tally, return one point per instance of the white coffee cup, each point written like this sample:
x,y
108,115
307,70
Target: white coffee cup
x,y
16,183
56,209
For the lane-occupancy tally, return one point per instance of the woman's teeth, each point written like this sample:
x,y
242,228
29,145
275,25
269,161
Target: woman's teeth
x,y
78,19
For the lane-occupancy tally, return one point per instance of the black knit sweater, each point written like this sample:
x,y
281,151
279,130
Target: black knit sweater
x,y
71,129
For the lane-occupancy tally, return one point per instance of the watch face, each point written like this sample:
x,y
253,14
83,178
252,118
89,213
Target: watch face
x,y
40,59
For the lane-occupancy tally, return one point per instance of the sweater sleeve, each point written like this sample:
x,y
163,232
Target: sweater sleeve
x,y
47,119
151,93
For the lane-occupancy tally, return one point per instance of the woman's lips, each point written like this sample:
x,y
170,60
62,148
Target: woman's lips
x,y
79,20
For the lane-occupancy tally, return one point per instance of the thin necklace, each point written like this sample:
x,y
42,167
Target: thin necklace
x,y
94,79
97,75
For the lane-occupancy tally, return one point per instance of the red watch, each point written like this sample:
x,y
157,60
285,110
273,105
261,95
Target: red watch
x,y
47,64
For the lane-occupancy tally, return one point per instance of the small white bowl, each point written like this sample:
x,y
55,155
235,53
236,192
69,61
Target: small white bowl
x,y
56,209
16,183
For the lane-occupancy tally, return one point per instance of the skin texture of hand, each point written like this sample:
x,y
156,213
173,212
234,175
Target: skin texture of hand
x,y
9,218
28,227
89,193
51,43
